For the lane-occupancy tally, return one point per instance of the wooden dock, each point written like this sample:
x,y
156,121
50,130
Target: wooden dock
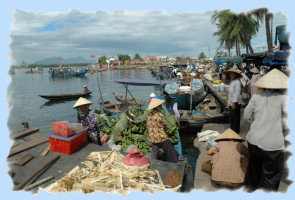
x,y
30,162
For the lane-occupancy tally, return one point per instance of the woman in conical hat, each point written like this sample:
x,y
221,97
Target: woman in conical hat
x,y
255,77
228,169
234,98
152,95
88,119
267,114
156,131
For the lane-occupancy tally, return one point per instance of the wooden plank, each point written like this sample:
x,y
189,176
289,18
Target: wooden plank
x,y
46,150
21,185
27,145
24,132
24,160
15,143
38,183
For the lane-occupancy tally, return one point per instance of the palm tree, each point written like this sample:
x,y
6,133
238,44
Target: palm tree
x,y
224,18
235,29
249,28
260,14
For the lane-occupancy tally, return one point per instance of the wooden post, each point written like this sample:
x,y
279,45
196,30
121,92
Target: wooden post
x,y
126,86
191,100
161,88
101,99
25,124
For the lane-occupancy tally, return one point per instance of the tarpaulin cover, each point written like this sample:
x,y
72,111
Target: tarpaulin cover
x,y
279,58
171,88
135,157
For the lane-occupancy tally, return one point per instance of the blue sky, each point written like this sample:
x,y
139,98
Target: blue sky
x,y
72,33
110,6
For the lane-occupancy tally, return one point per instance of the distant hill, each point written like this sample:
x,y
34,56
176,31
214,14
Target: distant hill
x,y
55,60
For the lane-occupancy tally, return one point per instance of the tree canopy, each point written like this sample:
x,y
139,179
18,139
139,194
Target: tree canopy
x,y
102,60
137,57
125,57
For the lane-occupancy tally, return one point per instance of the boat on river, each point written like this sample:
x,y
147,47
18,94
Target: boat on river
x,y
210,110
67,96
111,107
115,107
129,100
67,72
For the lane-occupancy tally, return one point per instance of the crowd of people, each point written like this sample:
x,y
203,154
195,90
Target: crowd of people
x,y
265,110
257,165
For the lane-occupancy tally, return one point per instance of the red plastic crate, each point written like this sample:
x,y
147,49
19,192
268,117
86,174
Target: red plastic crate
x,y
66,129
67,145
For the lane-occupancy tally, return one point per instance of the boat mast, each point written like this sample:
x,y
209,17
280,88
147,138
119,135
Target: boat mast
x,y
101,100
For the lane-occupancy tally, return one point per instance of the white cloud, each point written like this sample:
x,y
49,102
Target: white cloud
x,y
39,35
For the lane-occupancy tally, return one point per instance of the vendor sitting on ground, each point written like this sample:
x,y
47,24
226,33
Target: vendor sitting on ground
x,y
156,132
88,120
228,169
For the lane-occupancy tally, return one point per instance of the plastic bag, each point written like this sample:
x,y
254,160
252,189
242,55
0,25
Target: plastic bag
x,y
171,88
135,158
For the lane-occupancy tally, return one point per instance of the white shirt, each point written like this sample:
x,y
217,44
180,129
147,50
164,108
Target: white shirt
x,y
267,114
234,92
244,79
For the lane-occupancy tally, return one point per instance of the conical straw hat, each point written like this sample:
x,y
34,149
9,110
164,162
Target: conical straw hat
x,y
81,101
235,70
254,70
154,103
153,95
229,134
275,79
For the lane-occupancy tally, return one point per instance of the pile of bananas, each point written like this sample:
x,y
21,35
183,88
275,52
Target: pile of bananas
x,y
137,134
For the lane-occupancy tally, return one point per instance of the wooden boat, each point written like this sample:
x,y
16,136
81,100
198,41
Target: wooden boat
x,y
11,72
213,114
111,107
130,100
66,96
67,72
183,100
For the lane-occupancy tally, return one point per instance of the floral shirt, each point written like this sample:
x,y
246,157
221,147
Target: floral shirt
x,y
156,128
89,121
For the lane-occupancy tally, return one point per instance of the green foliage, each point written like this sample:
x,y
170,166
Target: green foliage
x,y
183,59
202,56
102,60
137,57
125,57
234,29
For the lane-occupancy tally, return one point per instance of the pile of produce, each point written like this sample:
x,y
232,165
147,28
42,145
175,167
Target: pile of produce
x,y
217,81
136,133
103,124
172,127
105,171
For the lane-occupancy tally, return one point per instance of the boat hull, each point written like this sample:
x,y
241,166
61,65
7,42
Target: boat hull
x,y
68,74
65,96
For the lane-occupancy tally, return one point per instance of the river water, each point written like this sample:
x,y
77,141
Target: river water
x,y
26,106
